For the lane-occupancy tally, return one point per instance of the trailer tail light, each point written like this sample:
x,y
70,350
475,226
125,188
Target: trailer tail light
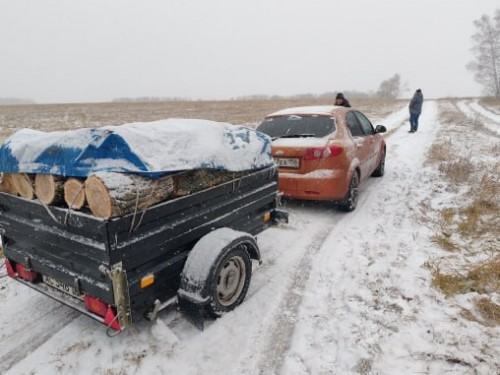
x,y
10,269
26,274
101,308
322,152
95,305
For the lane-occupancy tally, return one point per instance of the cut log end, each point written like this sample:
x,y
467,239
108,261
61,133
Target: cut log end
x,y
6,184
49,188
98,197
23,183
74,193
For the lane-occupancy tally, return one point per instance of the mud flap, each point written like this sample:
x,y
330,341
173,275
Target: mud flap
x,y
279,216
194,312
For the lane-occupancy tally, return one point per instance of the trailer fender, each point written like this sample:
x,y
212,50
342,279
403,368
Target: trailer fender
x,y
217,274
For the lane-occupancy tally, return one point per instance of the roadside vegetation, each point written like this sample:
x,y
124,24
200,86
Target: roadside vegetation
x,y
466,221
492,103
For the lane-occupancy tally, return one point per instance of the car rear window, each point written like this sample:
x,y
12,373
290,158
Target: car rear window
x,y
297,126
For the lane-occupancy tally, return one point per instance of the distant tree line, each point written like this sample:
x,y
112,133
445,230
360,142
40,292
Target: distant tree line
x,y
392,88
15,101
486,51
151,99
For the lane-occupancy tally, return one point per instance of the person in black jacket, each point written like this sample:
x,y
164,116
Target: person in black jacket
x,y
415,107
341,100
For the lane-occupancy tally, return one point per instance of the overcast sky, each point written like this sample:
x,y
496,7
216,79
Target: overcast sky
x,y
55,51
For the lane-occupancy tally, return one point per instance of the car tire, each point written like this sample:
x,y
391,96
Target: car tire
x,y
230,281
379,172
350,201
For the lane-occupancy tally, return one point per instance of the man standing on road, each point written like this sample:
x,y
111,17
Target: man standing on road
x,y
415,110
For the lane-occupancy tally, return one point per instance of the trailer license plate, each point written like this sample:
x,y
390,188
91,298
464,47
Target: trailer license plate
x,y
287,162
68,289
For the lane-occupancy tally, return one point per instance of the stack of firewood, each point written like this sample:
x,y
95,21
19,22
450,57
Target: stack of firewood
x,y
110,194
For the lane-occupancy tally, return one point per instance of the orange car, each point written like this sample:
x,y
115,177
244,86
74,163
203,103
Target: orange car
x,y
325,152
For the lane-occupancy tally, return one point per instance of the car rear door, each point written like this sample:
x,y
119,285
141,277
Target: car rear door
x,y
371,138
363,147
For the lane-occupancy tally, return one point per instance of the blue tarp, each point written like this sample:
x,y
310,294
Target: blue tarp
x,y
152,148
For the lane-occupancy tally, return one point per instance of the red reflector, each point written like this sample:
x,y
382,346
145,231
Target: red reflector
x,y
322,152
10,269
23,273
95,305
111,319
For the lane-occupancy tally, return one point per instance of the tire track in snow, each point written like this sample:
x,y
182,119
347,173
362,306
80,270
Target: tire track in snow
x,y
18,344
277,334
477,113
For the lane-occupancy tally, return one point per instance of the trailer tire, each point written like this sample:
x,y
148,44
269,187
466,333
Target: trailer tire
x,y
217,274
229,281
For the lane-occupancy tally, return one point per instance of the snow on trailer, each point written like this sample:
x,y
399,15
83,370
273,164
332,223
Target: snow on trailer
x,y
126,262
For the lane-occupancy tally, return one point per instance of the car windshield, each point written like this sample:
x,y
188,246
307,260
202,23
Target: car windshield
x,y
297,126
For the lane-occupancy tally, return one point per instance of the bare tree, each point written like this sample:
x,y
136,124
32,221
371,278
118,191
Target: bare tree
x,y
390,88
486,50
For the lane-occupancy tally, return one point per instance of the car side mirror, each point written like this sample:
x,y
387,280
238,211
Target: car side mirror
x,y
380,129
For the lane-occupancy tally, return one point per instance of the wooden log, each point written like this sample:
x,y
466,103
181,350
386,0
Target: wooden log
x,y
6,184
189,182
74,193
23,183
112,194
49,188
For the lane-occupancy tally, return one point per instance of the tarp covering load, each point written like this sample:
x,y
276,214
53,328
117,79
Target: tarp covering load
x,y
151,149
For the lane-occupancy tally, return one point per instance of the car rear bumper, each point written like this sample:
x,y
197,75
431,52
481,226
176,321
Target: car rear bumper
x,y
320,185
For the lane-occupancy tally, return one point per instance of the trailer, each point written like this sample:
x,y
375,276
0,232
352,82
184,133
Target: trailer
x,y
196,250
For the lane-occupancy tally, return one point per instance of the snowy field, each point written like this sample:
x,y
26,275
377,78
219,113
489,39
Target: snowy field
x,y
337,293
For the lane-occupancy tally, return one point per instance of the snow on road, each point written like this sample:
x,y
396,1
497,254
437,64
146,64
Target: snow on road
x,y
475,111
337,294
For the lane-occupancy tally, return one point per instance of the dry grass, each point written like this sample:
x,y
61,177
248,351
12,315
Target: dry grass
x,y
492,104
439,153
489,310
457,171
469,228
482,278
481,217
452,117
447,215
444,242
54,117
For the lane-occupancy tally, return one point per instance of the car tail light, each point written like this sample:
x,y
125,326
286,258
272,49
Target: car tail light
x,y
322,152
10,269
26,274
101,308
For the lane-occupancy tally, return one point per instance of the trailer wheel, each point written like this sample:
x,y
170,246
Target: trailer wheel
x,y
216,275
230,281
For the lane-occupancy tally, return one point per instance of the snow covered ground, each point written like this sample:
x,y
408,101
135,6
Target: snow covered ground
x,y
337,293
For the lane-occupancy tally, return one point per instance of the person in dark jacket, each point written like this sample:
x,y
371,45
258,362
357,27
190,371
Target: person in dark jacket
x,y
341,100
415,110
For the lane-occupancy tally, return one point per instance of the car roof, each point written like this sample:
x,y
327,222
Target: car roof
x,y
322,110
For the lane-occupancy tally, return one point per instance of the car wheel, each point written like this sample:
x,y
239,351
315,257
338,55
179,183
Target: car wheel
x,y
379,172
350,201
230,282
